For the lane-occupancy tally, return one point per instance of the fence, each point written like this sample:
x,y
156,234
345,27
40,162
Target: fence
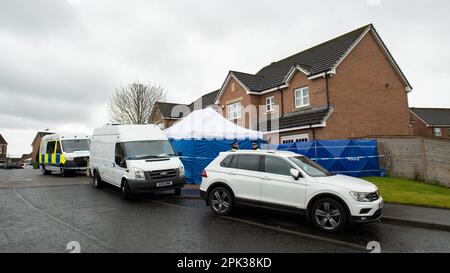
x,y
416,158
358,158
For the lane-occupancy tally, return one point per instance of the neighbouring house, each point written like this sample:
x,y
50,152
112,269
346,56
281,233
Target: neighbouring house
x,y
347,87
35,146
430,122
165,114
3,151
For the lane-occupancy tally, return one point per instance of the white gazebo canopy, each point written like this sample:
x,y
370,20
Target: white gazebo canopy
x,y
209,124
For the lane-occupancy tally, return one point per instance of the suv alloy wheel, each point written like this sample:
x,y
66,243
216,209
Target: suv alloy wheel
x,y
329,215
221,201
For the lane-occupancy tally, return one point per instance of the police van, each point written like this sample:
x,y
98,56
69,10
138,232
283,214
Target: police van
x,y
64,153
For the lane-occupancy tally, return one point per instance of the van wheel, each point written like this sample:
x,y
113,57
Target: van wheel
x,y
126,191
329,215
97,181
64,172
45,172
221,201
177,191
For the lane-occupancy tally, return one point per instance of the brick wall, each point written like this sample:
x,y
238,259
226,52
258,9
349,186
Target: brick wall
x,y
420,158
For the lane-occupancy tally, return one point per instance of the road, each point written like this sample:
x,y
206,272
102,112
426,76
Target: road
x,y
44,213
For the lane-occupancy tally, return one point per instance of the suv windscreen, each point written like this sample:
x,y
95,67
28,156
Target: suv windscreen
x,y
277,165
148,149
310,167
248,162
72,145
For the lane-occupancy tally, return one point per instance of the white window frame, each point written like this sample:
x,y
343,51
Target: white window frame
x,y
294,138
299,95
234,110
270,104
437,132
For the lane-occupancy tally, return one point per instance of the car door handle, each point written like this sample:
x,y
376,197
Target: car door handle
x,y
231,173
265,178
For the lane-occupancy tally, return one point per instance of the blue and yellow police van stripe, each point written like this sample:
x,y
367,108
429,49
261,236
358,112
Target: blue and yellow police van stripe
x,y
52,158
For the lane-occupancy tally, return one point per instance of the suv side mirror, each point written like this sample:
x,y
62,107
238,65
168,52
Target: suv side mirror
x,y
295,173
180,154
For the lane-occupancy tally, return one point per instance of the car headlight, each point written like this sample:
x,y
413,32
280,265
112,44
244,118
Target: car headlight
x,y
139,174
181,170
361,196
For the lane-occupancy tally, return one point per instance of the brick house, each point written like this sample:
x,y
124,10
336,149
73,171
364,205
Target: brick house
x,y
347,87
35,146
3,150
165,114
430,122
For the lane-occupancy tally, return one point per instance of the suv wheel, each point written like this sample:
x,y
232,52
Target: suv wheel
x,y
126,191
329,215
221,201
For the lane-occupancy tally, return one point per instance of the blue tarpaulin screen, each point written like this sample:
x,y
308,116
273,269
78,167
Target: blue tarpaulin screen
x,y
358,158
198,153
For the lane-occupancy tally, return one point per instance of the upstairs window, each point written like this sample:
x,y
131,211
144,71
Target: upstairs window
x,y
437,132
234,111
270,104
301,96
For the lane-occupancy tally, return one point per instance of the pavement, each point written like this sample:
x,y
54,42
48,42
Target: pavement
x,y
392,213
44,213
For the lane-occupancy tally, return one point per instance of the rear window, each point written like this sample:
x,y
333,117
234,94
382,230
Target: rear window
x,y
248,162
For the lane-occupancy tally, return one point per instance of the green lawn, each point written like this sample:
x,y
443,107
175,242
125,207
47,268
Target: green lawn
x,y
409,192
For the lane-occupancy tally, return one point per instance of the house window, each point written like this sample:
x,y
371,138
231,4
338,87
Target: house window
x,y
294,138
301,96
1,150
234,110
270,104
448,131
437,132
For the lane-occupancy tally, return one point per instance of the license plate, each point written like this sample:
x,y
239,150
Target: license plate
x,y
163,184
381,205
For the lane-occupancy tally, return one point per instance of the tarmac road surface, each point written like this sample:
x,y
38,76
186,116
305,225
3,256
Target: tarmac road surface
x,y
44,213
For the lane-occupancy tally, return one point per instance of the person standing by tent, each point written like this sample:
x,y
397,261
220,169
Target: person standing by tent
x,y
255,146
234,146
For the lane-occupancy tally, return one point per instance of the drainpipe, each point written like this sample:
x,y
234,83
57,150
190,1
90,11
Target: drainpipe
x,y
282,102
313,131
327,89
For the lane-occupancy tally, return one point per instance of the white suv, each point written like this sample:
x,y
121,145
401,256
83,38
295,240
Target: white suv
x,y
289,182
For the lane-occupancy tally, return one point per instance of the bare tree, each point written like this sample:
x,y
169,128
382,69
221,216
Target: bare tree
x,y
134,103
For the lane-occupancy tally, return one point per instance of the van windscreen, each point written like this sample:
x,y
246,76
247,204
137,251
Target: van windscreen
x,y
148,149
72,145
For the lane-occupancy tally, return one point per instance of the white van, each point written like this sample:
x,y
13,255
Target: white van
x,y
64,153
135,158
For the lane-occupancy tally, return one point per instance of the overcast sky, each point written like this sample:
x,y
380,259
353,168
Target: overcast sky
x,y
60,60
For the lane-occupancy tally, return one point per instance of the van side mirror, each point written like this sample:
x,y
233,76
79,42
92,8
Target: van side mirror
x,y
296,173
